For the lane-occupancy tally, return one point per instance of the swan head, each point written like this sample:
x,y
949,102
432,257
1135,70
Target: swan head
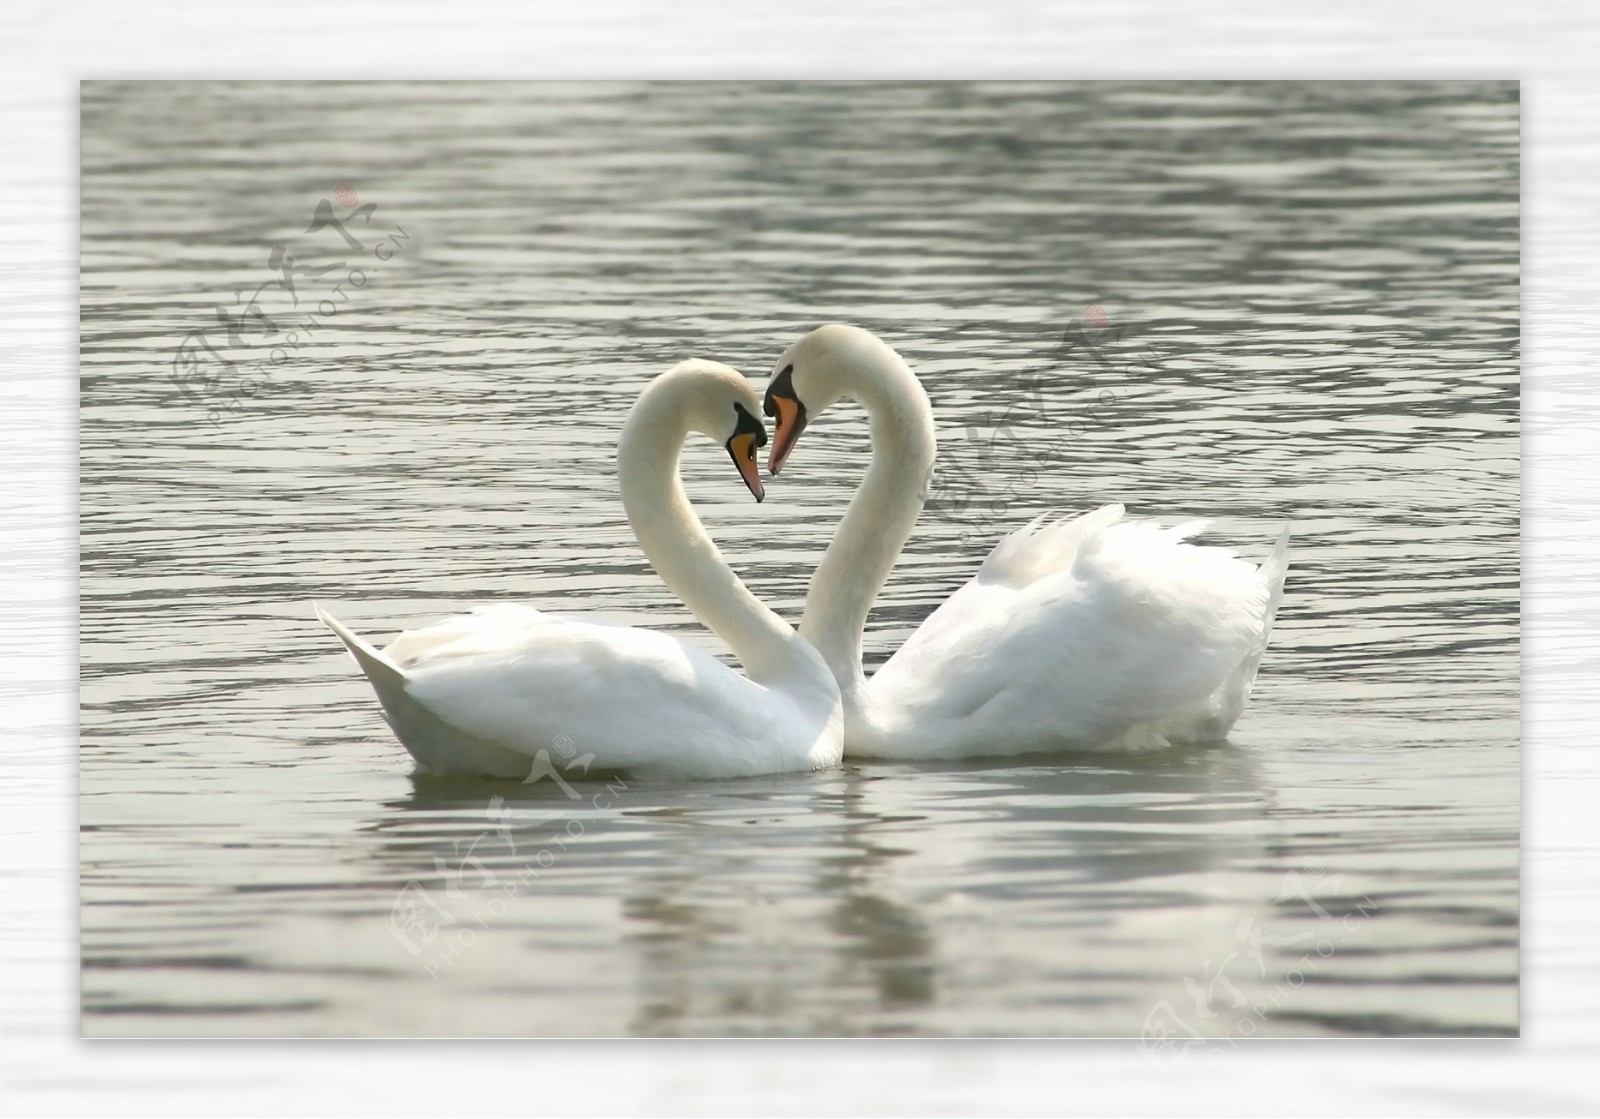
x,y
831,362
720,403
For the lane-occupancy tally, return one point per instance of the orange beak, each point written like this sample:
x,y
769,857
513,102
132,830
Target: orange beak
x,y
743,449
791,416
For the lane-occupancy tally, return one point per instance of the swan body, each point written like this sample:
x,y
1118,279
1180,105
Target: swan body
x,y
486,693
1091,632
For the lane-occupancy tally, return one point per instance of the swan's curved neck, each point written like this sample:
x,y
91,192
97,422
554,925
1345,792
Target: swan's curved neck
x,y
880,517
685,557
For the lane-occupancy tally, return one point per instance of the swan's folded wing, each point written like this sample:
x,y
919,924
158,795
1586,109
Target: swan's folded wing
x,y
1044,546
970,619
485,630
633,698
1140,627
1173,621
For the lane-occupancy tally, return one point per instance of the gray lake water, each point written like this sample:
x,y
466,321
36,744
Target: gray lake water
x,y
1248,303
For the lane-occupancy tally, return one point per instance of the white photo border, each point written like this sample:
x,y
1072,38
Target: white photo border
x,y
48,48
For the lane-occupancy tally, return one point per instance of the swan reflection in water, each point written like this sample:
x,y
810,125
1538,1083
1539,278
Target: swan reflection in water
x,y
860,900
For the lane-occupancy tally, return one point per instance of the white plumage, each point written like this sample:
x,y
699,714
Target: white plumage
x,y
484,693
1083,633
1091,632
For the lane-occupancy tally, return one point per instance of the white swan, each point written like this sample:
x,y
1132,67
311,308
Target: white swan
x,y
1088,632
485,693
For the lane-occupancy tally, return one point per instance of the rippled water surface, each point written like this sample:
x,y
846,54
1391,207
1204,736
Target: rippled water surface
x,y
1310,313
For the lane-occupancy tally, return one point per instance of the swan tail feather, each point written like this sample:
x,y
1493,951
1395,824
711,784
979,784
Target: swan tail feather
x,y
1228,703
387,678
1272,571
436,744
